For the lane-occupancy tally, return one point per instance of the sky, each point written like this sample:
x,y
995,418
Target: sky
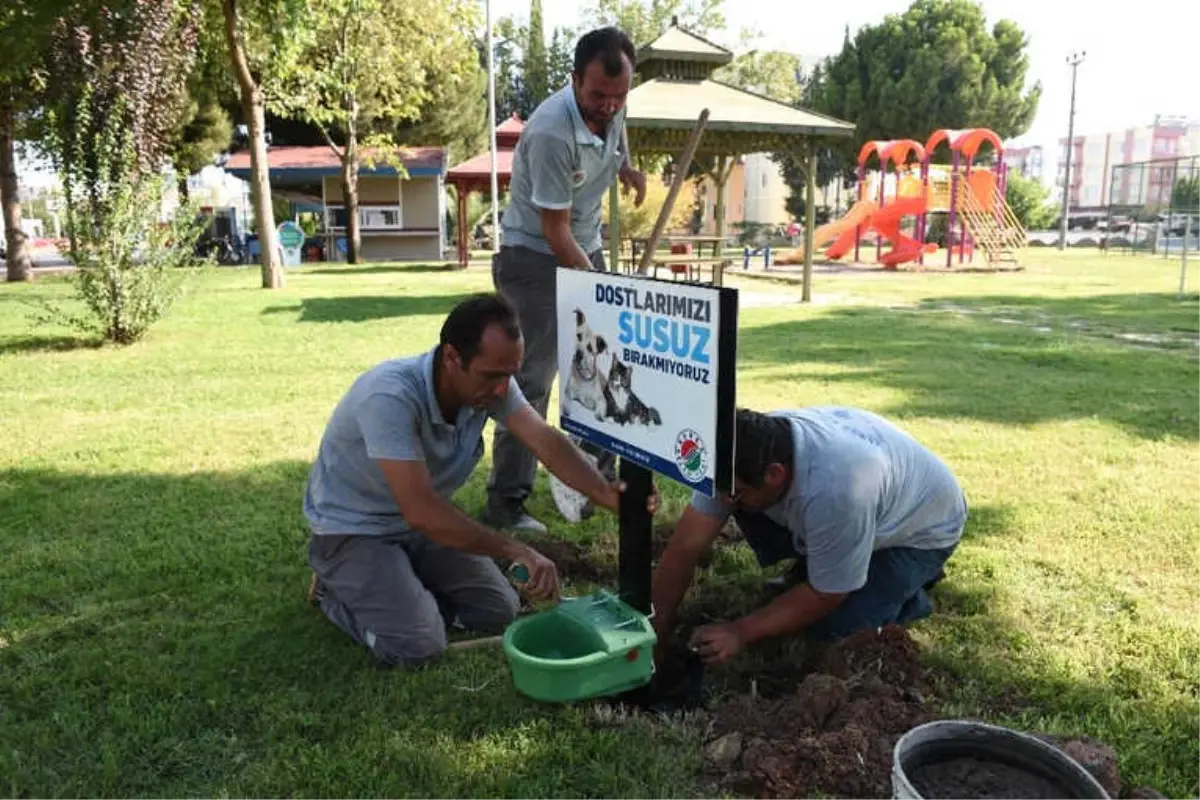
x,y
1141,58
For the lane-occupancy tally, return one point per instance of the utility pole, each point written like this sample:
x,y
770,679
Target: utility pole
x,y
1073,61
491,68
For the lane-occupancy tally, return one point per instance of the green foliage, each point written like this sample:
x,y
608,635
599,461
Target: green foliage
x,y
645,20
1185,194
365,65
639,222
536,65
517,92
1030,201
937,65
129,264
111,121
771,73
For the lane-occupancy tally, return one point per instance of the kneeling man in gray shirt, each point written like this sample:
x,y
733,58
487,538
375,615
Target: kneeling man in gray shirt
x,y
394,561
868,513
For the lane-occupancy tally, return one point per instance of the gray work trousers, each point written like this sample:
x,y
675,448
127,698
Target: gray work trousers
x,y
527,278
397,594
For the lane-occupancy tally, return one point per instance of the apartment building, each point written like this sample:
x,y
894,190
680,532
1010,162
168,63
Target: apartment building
x,y
1026,161
1093,157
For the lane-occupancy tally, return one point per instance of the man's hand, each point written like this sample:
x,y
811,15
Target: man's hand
x,y
543,581
612,500
716,644
636,180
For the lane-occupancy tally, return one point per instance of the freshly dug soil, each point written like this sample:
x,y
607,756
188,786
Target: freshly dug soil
x,y
974,777
572,560
833,735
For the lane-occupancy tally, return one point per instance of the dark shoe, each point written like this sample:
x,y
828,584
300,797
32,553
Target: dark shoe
x,y
516,520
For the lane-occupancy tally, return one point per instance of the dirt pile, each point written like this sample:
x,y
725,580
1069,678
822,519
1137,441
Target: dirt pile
x,y
834,735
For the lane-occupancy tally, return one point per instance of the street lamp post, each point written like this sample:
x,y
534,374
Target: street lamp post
x,y
1073,61
491,68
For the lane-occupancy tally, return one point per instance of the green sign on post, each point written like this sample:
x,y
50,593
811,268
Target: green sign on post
x,y
291,242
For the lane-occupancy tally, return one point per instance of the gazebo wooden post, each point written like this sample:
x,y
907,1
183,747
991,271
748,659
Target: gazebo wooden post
x,y
810,214
464,255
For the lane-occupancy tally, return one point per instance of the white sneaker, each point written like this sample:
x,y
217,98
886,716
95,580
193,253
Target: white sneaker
x,y
573,505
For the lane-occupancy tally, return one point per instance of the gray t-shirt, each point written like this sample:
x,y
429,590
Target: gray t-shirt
x,y
559,163
391,412
859,484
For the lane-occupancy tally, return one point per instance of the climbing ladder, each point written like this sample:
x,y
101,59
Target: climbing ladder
x,y
991,221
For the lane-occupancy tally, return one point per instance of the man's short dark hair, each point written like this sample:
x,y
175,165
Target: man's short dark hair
x,y
762,440
469,319
608,45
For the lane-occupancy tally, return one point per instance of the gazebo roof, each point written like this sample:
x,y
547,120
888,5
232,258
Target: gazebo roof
x,y
676,43
676,70
477,170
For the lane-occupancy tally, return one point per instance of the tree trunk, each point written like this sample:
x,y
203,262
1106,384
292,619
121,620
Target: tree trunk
x,y
18,261
350,196
184,194
253,107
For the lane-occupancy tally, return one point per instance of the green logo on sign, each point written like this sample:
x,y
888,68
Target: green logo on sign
x,y
291,236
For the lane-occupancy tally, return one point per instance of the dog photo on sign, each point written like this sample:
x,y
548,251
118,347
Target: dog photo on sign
x,y
606,393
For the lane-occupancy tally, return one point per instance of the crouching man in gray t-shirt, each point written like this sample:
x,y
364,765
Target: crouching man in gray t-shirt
x,y
869,514
394,561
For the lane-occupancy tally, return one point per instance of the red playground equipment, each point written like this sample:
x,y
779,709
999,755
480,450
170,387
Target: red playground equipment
x,y
973,199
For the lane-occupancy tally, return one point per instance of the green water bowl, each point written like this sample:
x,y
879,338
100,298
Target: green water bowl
x,y
584,647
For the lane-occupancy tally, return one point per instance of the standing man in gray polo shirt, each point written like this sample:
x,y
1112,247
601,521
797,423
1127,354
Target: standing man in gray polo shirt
x,y
394,561
571,150
868,513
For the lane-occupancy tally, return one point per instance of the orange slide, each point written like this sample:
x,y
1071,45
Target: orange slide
x,y
887,221
843,230
865,215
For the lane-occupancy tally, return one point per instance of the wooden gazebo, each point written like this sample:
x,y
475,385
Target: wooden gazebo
x,y
675,72
475,174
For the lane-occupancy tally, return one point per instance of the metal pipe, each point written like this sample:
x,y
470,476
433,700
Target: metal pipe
x,y
491,67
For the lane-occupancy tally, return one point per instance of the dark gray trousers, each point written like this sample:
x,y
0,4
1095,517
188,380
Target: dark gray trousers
x,y
397,594
526,278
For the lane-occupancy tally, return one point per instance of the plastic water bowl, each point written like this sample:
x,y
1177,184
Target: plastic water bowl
x,y
582,648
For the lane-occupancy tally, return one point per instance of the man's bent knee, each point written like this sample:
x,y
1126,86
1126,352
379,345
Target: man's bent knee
x,y
408,650
491,611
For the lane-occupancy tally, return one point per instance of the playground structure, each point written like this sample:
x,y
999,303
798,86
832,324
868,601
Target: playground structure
x,y
973,199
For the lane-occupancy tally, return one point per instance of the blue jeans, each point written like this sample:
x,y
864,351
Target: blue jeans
x,y
893,594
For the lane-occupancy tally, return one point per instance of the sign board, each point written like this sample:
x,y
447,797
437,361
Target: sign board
x,y
291,242
647,371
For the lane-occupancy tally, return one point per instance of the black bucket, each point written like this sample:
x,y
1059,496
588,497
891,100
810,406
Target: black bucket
x,y
928,760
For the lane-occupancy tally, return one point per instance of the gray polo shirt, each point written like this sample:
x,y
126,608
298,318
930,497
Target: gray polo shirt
x,y
391,412
559,163
859,484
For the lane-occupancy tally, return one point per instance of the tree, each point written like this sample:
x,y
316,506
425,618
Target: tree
x,y
639,222
263,39
937,65
535,66
363,68
206,128
771,73
1185,194
1030,201
111,114
561,58
24,30
645,20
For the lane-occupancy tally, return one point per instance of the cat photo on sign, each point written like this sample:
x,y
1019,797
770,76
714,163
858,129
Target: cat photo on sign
x,y
606,394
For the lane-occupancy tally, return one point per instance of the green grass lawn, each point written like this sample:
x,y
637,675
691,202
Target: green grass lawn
x,y
154,638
